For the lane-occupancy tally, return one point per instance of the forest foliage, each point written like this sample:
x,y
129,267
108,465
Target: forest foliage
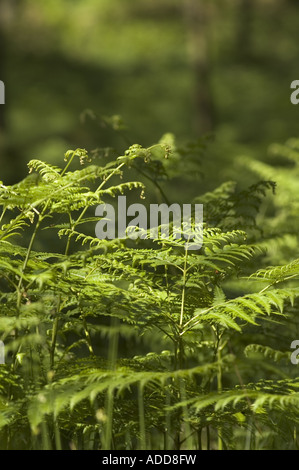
x,y
139,343
199,340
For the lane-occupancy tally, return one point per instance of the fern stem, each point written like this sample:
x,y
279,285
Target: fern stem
x,y
106,444
88,338
184,289
154,182
219,389
2,215
180,338
54,337
187,429
167,418
75,223
46,442
208,438
142,441
68,163
129,142
27,258
19,291
58,445
112,357
199,438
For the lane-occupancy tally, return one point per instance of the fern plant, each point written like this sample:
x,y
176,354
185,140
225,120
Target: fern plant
x,y
93,327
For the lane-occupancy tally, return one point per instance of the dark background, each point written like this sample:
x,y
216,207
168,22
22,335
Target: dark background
x,y
189,67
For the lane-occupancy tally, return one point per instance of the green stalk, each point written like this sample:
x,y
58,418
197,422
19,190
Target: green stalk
x,y
112,357
208,438
88,338
68,163
180,340
142,441
187,428
2,215
184,289
19,286
199,438
19,298
54,339
183,414
167,419
46,441
58,445
219,389
109,423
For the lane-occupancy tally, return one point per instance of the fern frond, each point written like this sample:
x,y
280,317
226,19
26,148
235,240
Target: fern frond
x,y
48,172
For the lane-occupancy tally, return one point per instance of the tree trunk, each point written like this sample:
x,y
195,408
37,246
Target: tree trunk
x,y
244,29
197,17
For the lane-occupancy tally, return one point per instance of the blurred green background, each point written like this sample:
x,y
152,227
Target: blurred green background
x,y
190,67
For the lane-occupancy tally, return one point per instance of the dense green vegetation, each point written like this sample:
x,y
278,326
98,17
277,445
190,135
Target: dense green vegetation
x,y
143,60
200,340
142,344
